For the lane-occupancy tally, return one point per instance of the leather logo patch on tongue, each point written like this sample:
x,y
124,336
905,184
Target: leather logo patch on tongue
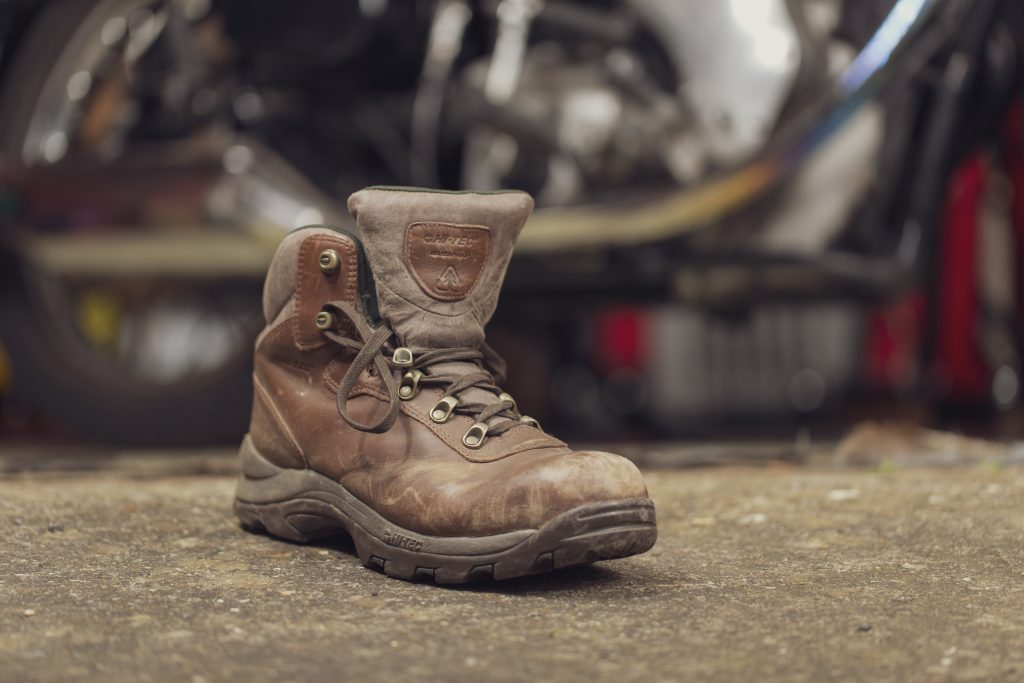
x,y
446,259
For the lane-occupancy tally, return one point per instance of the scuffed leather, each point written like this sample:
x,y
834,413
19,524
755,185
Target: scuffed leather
x,y
417,317
417,475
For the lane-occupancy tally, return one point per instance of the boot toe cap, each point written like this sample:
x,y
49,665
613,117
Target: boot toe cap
x,y
551,486
521,492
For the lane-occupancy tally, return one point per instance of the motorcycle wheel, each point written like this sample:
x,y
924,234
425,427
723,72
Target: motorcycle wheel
x,y
55,367
63,379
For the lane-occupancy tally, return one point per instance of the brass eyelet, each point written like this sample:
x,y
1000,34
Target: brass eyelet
x,y
329,261
402,357
474,438
505,396
410,385
526,419
324,320
443,409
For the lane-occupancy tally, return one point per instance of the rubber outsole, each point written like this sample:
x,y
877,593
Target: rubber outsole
x,y
304,506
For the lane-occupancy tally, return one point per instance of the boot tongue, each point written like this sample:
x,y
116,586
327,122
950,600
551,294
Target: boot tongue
x,y
438,258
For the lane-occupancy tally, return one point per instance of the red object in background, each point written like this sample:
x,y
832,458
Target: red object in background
x,y
960,369
895,332
1013,160
622,336
893,340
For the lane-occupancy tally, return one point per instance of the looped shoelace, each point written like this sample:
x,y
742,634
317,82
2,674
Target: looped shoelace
x,y
373,349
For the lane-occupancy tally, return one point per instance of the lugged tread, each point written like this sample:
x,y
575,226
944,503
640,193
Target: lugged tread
x,y
571,539
545,562
590,533
425,573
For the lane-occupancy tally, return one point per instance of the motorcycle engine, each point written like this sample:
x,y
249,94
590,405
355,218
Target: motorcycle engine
x,y
700,87
590,124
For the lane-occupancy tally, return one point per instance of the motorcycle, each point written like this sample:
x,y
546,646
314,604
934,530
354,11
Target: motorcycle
x,y
153,152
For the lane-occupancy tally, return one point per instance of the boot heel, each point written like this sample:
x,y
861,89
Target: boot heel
x,y
269,500
254,465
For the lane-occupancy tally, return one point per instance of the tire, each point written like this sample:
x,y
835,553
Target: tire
x,y
70,387
60,373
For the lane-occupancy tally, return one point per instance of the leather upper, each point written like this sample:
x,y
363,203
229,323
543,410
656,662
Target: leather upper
x,y
418,474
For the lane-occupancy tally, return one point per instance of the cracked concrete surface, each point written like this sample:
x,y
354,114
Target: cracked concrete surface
x,y
760,573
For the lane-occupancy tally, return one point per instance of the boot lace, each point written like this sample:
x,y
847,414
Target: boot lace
x,y
404,370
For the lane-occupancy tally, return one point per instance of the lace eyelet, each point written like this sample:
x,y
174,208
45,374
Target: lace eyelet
x,y
329,261
474,438
526,419
505,396
410,385
324,320
443,409
402,357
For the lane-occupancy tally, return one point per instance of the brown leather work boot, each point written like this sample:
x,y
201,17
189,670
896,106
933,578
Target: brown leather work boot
x,y
379,413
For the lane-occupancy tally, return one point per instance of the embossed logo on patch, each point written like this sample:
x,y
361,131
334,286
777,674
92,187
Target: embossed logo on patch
x,y
446,259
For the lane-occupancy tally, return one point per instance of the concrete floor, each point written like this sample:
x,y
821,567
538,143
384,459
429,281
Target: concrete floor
x,y
780,572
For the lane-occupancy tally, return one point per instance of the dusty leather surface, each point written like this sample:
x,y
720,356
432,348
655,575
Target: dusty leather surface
x,y
415,313
418,475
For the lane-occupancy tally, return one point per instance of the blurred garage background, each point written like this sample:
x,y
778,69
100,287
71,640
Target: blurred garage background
x,y
756,218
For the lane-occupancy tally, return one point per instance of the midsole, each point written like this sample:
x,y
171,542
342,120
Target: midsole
x,y
263,483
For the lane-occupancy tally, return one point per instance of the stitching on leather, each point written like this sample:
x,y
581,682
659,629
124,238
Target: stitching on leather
x,y
329,382
300,294
274,336
349,289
